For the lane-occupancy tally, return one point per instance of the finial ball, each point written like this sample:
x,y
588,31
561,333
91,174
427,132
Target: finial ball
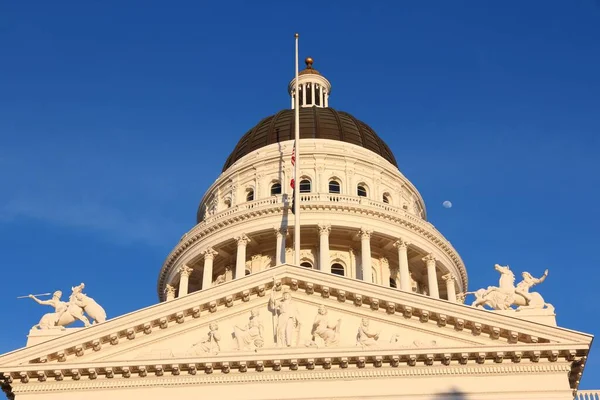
x,y
309,62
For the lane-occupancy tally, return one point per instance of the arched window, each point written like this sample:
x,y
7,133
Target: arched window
x,y
250,195
338,269
227,202
386,198
361,190
334,186
393,283
275,188
306,264
304,186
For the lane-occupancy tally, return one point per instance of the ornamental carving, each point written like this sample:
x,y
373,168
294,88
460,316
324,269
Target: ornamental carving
x,y
328,332
250,335
367,337
208,345
285,311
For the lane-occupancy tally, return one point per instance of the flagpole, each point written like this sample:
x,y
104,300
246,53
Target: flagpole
x,y
297,167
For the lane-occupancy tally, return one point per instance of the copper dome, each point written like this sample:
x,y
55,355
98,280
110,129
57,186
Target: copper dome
x,y
315,123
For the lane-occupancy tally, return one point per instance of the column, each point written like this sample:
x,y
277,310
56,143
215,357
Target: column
x,y
312,93
326,99
324,258
170,292
432,276
240,262
450,286
365,254
304,94
184,279
279,246
207,274
322,96
402,246
293,99
385,271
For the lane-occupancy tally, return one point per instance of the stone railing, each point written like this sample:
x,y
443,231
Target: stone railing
x,y
307,201
588,395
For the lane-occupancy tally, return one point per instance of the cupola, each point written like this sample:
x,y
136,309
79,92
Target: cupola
x,y
314,89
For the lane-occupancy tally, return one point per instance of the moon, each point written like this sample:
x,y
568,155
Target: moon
x,y
447,204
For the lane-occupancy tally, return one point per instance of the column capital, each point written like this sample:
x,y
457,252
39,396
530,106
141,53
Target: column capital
x,y
209,253
401,244
280,232
365,233
242,240
186,271
324,229
429,258
170,290
449,277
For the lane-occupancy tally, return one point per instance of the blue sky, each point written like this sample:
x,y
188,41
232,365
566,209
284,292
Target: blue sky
x,y
115,117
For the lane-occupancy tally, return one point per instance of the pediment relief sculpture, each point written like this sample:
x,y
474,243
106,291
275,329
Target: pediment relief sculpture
x,y
208,345
367,336
323,328
66,313
250,336
287,315
506,295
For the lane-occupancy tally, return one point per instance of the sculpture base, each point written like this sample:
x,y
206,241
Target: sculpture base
x,y
542,316
37,336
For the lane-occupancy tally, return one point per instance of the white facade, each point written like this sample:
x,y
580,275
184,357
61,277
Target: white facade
x,y
375,310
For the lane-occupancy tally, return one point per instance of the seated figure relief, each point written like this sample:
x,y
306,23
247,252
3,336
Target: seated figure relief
x,y
250,336
367,337
323,329
208,345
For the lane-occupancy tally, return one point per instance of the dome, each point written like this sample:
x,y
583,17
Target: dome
x,y
315,123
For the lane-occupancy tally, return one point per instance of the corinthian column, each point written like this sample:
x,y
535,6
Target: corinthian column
x,y
450,286
240,262
365,255
280,234
432,276
170,292
184,279
324,258
402,246
207,274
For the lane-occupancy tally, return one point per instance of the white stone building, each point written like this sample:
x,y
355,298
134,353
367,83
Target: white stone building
x,y
374,310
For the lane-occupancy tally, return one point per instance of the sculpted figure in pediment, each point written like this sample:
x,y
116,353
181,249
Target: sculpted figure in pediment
x,y
286,318
322,328
367,337
208,345
250,336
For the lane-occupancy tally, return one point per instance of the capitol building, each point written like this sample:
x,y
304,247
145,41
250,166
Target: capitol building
x,y
374,305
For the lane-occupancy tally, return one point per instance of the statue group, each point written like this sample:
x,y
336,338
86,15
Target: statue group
x,y
66,313
506,294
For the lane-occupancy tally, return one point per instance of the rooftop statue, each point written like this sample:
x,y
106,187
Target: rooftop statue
x,y
66,313
507,295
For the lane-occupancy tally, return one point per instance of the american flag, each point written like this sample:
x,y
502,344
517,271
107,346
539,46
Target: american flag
x,y
293,163
292,182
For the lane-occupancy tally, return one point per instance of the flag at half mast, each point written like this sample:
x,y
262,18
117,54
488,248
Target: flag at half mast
x,y
293,180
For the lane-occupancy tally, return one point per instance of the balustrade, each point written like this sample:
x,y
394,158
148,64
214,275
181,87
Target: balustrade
x,y
588,395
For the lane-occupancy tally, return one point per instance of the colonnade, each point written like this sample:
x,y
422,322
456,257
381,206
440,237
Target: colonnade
x,y
403,272
315,90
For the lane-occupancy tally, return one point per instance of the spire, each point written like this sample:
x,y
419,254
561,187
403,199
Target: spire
x,y
314,88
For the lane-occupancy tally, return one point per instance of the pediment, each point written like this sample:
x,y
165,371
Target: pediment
x,y
404,322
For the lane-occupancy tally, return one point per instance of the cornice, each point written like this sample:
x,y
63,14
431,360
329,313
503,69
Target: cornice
x,y
508,334
311,202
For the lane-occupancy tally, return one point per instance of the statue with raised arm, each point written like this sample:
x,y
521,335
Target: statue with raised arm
x,y
51,320
288,318
66,313
507,295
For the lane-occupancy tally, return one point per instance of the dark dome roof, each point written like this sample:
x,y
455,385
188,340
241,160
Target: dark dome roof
x,y
315,123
